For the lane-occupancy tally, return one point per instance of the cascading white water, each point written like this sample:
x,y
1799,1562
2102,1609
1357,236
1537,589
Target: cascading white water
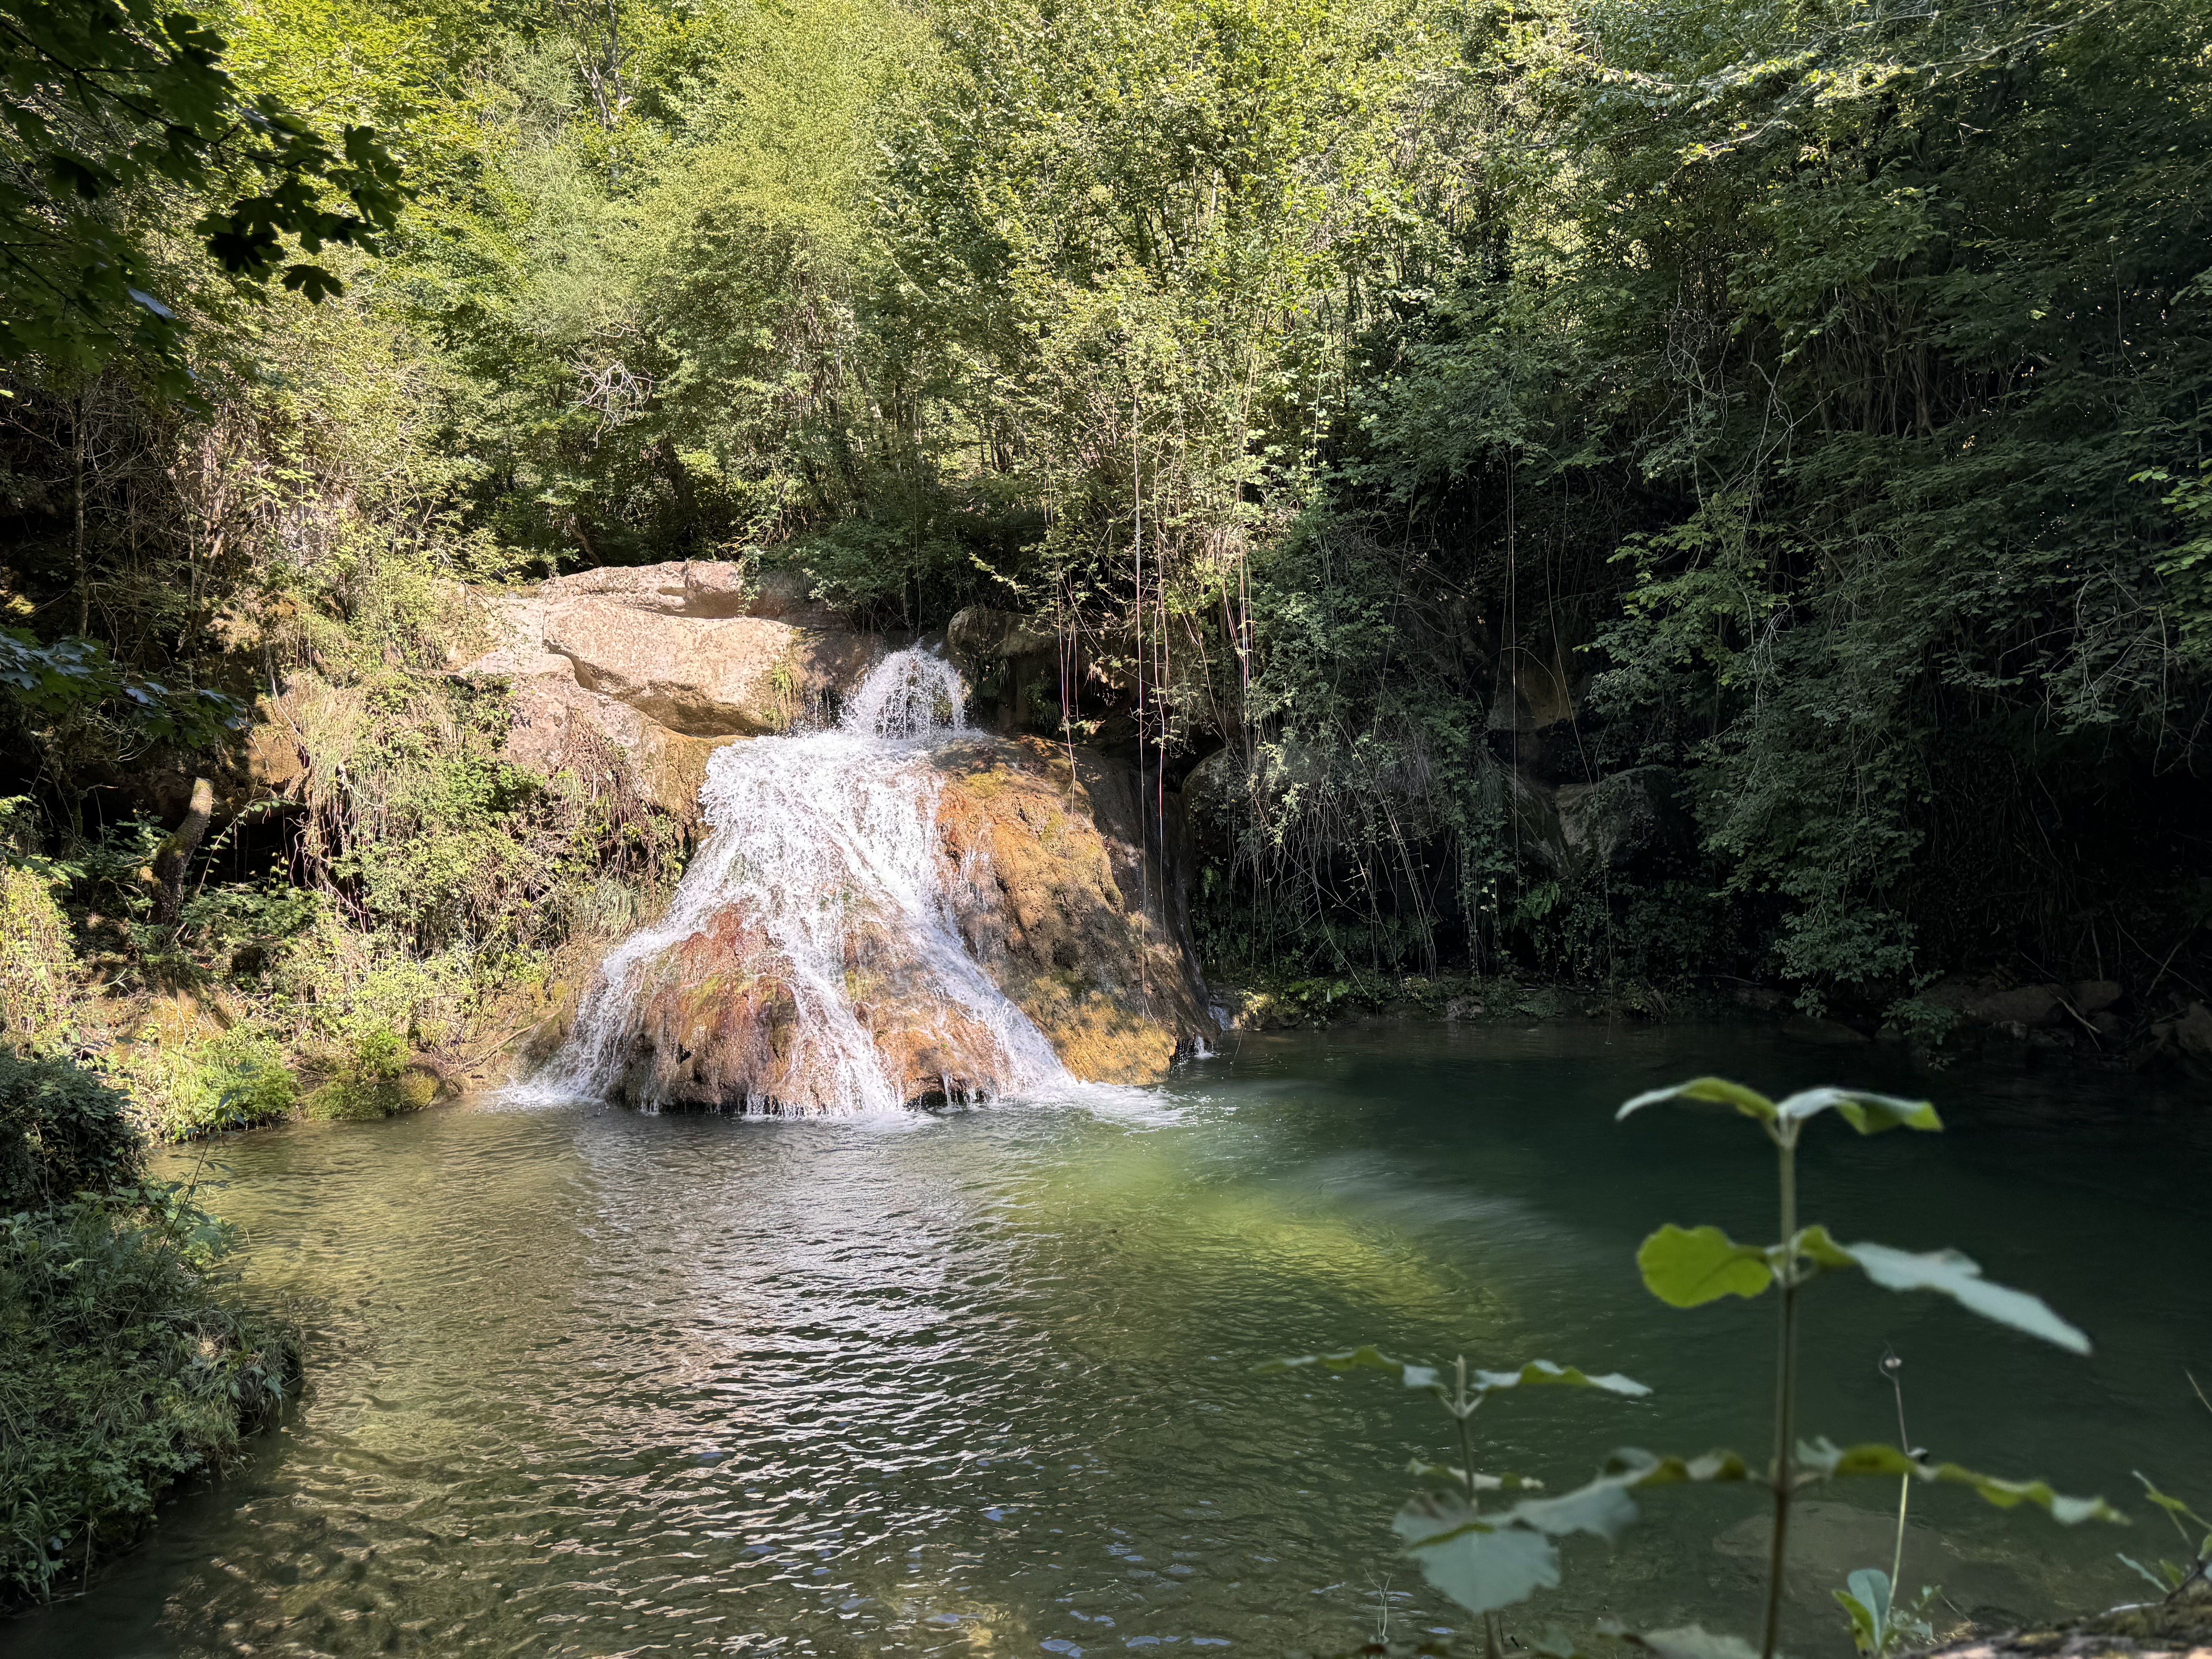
x,y
810,833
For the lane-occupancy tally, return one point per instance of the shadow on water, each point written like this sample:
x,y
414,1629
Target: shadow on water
x,y
590,1382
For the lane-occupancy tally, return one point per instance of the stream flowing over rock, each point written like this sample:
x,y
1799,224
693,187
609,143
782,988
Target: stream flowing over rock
x,y
895,910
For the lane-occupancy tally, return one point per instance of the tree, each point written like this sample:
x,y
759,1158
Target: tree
x,y
117,107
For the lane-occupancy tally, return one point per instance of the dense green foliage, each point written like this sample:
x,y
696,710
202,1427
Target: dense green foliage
x,y
117,109
1604,492
62,1132
125,1363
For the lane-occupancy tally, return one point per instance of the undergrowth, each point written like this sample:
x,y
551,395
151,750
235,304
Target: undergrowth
x,y
128,1361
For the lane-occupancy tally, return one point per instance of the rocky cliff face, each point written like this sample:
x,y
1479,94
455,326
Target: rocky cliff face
x,y
1044,875
653,668
1057,894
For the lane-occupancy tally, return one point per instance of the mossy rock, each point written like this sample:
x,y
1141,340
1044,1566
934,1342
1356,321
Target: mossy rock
x,y
363,1100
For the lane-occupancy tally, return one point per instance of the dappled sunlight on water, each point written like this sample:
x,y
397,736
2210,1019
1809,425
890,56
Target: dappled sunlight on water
x,y
981,1382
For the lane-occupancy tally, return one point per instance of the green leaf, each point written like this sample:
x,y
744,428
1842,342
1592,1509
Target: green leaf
x,y
2165,1586
1457,1476
1864,1636
1481,1564
1828,1461
1689,1268
1484,1562
1543,1370
1957,1277
1866,1601
1870,1587
2174,1507
1634,1467
1683,1642
1868,1113
1816,1245
1367,1359
1705,1091
1602,1509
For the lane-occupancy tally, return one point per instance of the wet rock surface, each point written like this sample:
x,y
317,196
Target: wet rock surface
x,y
2180,1627
1044,869
895,910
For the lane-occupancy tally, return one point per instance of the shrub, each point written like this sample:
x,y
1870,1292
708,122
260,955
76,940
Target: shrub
x,y
379,1080
62,1131
125,1365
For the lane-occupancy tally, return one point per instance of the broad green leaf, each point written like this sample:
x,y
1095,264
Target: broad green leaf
x,y
1683,1642
1634,1467
1827,1460
1866,1601
1870,1585
1817,1245
1705,1091
1868,1113
1457,1476
1367,1359
1603,1508
1957,1277
1685,1267
1543,1370
1481,1564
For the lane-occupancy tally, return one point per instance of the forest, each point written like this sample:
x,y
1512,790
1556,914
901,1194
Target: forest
x,y
1407,404
1670,497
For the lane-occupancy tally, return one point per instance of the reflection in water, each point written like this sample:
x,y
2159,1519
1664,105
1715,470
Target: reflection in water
x,y
587,1382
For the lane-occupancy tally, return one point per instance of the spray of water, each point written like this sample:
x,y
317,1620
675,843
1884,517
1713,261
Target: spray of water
x,y
811,835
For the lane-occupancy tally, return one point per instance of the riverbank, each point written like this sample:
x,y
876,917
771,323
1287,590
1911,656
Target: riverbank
x,y
1956,1019
129,1362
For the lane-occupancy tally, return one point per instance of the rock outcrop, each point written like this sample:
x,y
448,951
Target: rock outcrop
x,y
1068,908
1624,818
648,670
1056,898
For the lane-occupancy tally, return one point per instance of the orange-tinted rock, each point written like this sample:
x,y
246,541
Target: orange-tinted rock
x,y
1046,868
1051,909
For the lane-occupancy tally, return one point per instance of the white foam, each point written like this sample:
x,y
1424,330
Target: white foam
x,y
808,833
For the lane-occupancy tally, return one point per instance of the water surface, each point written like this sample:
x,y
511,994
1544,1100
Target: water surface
x,y
587,1382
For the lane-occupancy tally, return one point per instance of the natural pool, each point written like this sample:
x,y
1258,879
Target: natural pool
x,y
589,1382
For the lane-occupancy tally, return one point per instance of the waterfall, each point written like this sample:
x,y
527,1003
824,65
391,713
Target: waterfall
x,y
814,839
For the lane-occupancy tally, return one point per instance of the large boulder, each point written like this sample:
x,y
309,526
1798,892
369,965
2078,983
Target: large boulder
x,y
1014,665
1623,819
979,636
706,676
2189,1034
698,589
641,672
2027,1007
1056,899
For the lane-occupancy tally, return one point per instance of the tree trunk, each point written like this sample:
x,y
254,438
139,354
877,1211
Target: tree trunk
x,y
176,854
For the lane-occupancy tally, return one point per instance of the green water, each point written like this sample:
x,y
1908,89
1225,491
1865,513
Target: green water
x,y
589,1382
